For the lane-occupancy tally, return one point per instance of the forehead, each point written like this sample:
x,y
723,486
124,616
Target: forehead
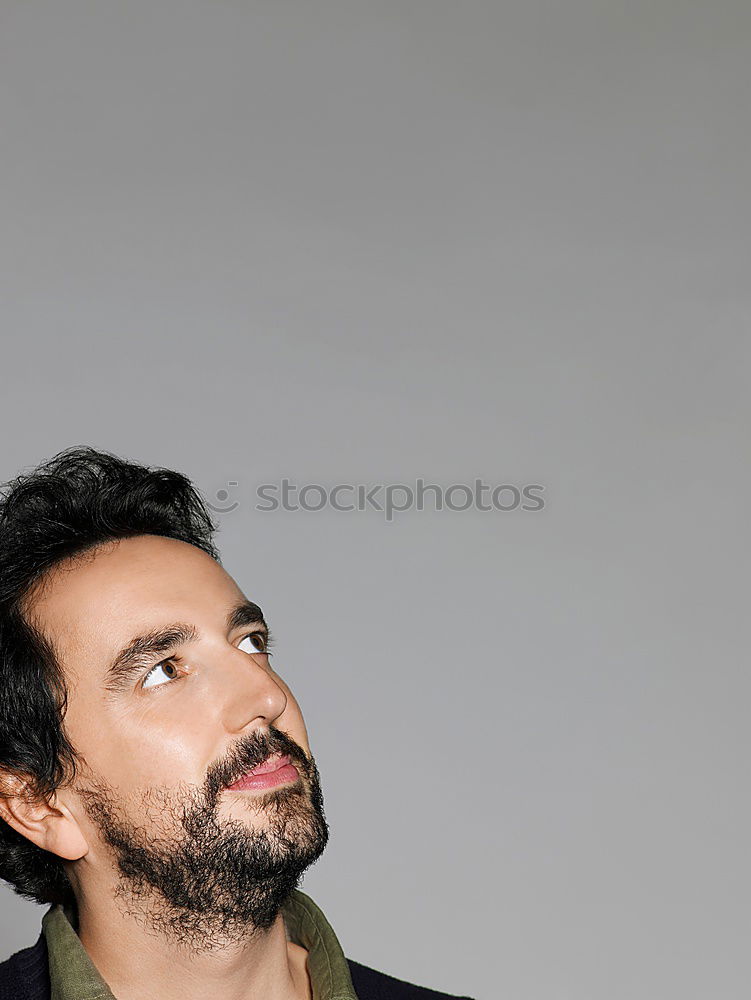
x,y
90,604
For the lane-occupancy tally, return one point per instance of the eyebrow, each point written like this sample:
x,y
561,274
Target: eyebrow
x,y
141,649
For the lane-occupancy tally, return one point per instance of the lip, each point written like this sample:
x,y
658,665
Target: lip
x,y
272,771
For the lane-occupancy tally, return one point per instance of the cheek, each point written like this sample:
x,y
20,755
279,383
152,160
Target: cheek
x,y
162,755
131,750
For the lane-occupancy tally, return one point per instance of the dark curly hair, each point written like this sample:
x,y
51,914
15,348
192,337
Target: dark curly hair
x,y
77,500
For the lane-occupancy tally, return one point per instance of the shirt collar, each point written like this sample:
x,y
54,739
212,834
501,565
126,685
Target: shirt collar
x,y
73,975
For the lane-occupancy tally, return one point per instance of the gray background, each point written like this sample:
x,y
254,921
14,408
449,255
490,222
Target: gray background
x,y
348,242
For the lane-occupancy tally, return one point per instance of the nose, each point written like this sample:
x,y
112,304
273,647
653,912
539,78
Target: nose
x,y
249,694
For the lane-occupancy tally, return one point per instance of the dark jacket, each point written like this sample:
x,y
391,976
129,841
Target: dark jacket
x,y
25,976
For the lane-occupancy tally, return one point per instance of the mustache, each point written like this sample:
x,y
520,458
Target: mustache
x,y
249,752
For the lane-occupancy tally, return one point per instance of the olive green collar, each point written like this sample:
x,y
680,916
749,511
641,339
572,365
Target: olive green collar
x,y
73,975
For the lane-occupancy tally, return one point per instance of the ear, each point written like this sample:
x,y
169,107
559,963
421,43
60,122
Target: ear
x,y
47,823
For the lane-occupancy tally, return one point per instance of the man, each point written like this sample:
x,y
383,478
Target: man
x,y
157,787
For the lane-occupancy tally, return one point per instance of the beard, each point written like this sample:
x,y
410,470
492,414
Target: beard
x,y
202,880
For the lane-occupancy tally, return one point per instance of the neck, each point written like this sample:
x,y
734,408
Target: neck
x,y
135,960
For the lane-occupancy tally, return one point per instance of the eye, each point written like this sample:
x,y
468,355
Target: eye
x,y
256,642
152,678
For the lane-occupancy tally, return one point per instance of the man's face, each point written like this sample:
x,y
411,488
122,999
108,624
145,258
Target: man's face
x,y
166,729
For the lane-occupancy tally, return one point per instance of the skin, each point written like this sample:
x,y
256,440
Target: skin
x,y
165,738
